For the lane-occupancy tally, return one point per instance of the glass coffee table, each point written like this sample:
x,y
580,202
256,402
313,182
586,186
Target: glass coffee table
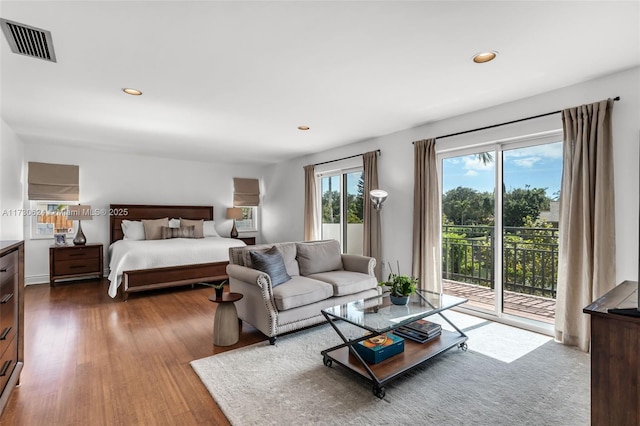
x,y
377,316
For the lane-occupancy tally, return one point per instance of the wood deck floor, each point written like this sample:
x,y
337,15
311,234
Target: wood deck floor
x,y
523,305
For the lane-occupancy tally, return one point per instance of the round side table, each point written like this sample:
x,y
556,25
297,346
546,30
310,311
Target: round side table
x,y
226,330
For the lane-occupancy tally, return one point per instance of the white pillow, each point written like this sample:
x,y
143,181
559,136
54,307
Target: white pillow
x,y
209,228
174,223
133,230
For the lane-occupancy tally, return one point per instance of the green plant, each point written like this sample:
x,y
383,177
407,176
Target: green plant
x,y
400,285
216,285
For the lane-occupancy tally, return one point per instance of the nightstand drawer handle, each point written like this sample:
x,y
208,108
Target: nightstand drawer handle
x,y
5,333
5,367
3,270
6,298
78,266
77,254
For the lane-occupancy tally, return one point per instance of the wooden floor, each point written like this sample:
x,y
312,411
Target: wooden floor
x,y
92,360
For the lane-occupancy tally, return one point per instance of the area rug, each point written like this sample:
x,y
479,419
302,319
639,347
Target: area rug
x,y
288,384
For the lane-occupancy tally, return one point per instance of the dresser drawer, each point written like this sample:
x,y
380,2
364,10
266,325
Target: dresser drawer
x,y
79,266
8,363
76,253
8,312
8,265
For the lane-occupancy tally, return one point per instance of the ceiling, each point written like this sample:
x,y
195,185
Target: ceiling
x,y
231,81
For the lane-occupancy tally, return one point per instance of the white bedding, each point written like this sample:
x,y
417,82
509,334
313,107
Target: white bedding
x,y
128,255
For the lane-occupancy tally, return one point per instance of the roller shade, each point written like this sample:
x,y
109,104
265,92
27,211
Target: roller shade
x,y
53,182
246,192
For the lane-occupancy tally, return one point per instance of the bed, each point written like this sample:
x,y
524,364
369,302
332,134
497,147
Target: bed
x,y
146,265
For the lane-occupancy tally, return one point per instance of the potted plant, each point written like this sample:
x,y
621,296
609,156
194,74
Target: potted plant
x,y
401,287
219,288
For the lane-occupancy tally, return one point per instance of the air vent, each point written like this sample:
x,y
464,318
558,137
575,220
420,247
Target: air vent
x,y
28,41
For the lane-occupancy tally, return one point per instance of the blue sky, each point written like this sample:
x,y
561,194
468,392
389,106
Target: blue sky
x,y
538,166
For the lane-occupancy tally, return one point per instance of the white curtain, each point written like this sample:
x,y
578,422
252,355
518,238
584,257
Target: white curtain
x,y
427,258
586,258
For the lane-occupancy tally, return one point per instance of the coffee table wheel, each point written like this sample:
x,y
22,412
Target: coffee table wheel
x,y
379,391
327,361
463,346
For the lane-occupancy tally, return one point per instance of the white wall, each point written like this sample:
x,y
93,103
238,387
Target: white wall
x,y
112,178
11,176
284,201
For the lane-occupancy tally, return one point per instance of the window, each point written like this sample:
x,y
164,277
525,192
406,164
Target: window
x,y
249,221
49,218
341,204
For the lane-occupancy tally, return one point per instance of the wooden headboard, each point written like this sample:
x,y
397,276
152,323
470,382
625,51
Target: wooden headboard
x,y
120,212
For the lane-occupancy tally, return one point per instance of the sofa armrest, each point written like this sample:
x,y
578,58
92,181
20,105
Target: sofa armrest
x,y
247,275
357,263
257,306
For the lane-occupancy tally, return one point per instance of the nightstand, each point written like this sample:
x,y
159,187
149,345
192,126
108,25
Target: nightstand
x,y
250,241
75,261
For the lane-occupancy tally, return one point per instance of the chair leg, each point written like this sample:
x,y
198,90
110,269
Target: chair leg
x,y
272,340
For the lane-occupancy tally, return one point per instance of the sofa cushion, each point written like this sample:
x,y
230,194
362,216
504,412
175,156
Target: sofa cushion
x,y
300,291
319,256
346,282
270,262
287,250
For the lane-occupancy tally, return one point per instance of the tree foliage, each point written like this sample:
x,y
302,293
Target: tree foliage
x,y
467,206
331,205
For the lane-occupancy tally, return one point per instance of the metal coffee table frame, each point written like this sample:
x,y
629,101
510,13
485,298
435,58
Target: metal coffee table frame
x,y
414,354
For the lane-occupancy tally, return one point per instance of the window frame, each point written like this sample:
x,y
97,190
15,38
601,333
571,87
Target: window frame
x,y
240,226
35,207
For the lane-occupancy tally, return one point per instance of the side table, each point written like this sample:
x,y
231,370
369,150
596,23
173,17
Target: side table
x,y
226,328
75,261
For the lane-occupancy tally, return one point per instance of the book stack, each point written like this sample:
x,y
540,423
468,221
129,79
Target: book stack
x,y
420,331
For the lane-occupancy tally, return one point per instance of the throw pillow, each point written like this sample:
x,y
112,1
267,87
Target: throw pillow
x,y
132,230
153,228
209,229
197,224
271,263
182,232
319,256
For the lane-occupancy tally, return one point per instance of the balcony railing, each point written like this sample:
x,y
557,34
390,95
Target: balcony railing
x,y
530,257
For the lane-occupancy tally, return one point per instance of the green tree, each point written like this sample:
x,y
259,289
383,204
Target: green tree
x,y
466,206
520,203
355,212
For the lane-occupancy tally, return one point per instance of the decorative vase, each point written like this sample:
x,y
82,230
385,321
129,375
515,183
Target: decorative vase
x,y
399,300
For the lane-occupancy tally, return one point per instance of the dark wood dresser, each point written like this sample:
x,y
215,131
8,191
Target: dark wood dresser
x,y
615,359
11,317
75,262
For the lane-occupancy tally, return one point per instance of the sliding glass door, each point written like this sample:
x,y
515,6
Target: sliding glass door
x,y
499,248
342,209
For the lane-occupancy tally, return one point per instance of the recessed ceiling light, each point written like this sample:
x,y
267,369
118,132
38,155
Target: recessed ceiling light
x,y
134,92
483,57
303,127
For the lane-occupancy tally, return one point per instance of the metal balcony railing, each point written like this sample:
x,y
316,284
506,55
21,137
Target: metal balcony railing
x,y
529,257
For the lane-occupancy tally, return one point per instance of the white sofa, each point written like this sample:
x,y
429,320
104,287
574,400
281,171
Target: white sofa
x,y
320,277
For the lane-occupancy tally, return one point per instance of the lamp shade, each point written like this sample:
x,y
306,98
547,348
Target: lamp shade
x,y
234,213
378,196
79,212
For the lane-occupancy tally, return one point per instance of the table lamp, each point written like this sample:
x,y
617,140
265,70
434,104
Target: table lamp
x,y
79,213
234,213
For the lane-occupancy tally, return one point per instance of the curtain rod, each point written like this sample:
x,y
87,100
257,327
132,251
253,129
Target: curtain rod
x,y
617,98
344,158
